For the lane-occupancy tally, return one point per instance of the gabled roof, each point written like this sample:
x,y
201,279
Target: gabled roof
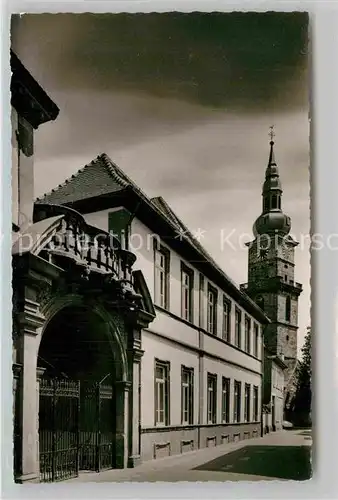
x,y
103,177
100,176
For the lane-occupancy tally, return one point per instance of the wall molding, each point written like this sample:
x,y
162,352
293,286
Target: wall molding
x,y
203,352
170,428
202,330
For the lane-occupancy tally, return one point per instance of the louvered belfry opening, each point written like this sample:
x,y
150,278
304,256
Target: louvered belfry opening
x,y
77,410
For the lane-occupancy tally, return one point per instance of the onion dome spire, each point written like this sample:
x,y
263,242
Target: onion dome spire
x,y
272,219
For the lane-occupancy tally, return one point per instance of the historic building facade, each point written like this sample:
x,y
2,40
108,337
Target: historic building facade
x,y
271,277
201,369
130,343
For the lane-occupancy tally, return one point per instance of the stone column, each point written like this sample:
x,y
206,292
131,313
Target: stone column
x,y
27,417
134,458
122,428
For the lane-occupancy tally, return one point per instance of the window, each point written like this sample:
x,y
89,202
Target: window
x,y
162,393
187,393
162,277
237,401
266,205
247,403
274,201
226,319
212,310
212,398
201,302
260,302
287,309
238,328
255,404
247,334
225,400
187,287
285,277
256,340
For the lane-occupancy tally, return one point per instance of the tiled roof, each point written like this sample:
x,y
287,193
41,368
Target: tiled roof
x,y
100,176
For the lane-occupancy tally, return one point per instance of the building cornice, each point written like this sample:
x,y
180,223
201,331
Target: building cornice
x,y
28,97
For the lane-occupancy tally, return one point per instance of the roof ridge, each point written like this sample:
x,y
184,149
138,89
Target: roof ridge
x,y
119,175
176,218
114,170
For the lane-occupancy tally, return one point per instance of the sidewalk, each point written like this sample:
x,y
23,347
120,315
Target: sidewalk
x,y
248,458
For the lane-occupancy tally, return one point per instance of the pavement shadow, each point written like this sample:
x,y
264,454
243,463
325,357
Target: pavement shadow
x,y
282,462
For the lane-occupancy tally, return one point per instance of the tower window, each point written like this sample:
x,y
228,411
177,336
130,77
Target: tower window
x,y
287,309
286,266
260,302
266,204
274,201
279,205
285,278
287,338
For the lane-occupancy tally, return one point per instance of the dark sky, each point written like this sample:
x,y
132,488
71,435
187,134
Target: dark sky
x,y
183,103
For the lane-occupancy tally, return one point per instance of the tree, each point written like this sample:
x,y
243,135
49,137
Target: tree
x,y
303,395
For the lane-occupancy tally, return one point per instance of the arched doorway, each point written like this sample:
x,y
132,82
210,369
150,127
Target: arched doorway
x,y
81,361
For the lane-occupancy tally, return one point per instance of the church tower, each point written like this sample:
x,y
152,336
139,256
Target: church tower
x,y
271,267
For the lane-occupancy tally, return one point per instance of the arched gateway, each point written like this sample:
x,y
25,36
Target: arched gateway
x,y
78,312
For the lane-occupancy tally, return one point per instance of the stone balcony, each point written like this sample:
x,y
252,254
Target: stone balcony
x,y
86,256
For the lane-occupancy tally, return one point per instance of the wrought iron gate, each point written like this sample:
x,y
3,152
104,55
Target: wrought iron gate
x,y
96,427
58,429
76,428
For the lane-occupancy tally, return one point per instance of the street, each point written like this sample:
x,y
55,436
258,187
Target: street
x,y
284,455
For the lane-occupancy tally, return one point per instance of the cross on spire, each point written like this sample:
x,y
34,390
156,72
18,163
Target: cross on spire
x,y
272,133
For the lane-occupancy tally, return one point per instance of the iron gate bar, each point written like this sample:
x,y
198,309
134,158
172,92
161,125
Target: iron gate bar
x,y
76,423
58,425
96,437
